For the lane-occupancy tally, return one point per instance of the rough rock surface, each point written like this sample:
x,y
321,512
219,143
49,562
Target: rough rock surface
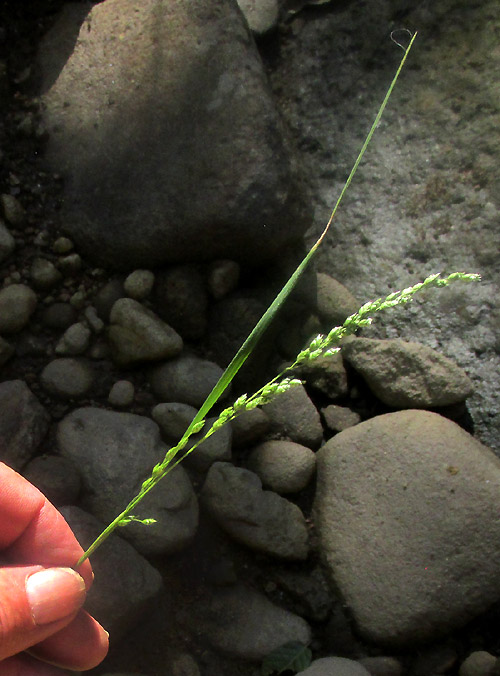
x,y
294,414
120,450
23,423
245,624
182,99
408,375
125,586
262,520
334,302
406,510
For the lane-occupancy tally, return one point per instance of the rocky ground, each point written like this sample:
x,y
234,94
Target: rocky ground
x,y
387,562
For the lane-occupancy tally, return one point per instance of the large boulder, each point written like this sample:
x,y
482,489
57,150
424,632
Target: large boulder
x,y
406,511
162,123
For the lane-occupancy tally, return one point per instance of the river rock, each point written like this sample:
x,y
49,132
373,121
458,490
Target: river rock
x,y
182,300
222,278
259,519
338,418
136,334
174,419
120,450
13,211
17,304
182,98
67,378
283,466
7,242
125,587
406,511
407,375
261,15
122,393
44,274
245,624
187,379
23,423
75,340
139,284
56,477
327,375
216,448
334,302
294,414
249,427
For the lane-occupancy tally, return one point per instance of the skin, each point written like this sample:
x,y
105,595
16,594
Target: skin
x,y
34,537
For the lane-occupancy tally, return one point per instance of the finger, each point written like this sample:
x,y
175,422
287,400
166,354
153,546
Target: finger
x,y
24,665
35,603
33,531
81,645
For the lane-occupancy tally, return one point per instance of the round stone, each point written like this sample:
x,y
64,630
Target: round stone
x,y
67,378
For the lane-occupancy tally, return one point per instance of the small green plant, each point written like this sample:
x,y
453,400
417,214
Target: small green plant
x,y
292,656
321,345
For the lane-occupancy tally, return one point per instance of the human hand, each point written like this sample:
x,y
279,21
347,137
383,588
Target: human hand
x,y
40,596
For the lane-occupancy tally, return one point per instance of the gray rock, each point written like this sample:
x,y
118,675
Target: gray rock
x,y
384,482
67,378
187,379
340,666
139,284
338,418
334,302
170,209
122,393
294,414
309,590
7,242
407,375
382,666
185,665
216,448
56,477
223,277
62,246
107,296
44,274
478,663
95,323
59,316
136,334
437,658
182,300
17,304
126,586
120,450
70,265
23,423
75,340
174,419
13,210
283,466
245,624
328,375
261,15
259,519
249,427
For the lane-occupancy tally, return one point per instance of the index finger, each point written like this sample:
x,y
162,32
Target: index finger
x,y
31,528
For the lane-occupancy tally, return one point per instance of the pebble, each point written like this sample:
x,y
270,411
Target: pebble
x,y
121,394
78,299
294,414
95,323
338,418
139,284
67,378
136,334
479,663
71,264
261,15
250,427
119,452
216,448
173,419
13,210
56,477
59,316
340,666
62,246
185,665
7,242
334,301
24,423
187,379
44,274
75,340
222,278
327,375
17,304
6,351
382,666
244,624
106,297
309,590
407,375
261,520
283,466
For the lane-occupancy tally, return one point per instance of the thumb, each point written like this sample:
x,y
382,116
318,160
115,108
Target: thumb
x,y
36,602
